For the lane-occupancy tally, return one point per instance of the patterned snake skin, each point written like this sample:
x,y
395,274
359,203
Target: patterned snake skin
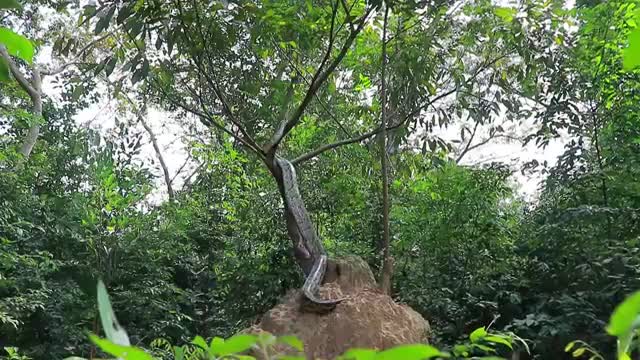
x,y
308,240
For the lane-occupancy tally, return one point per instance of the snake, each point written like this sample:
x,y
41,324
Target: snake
x,y
308,243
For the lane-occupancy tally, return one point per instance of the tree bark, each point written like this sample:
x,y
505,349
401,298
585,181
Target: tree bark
x,y
386,272
156,147
34,89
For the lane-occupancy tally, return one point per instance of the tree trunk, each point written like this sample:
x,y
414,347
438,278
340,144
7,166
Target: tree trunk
x,y
156,147
34,89
387,268
34,130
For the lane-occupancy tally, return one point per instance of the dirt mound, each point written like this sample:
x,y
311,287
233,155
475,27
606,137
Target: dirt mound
x,y
366,318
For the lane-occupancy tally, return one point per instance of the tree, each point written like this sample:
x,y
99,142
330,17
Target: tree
x,y
242,70
387,267
15,46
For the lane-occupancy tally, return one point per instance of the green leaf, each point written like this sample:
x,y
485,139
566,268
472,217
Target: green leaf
x,y
137,76
578,352
5,74
461,350
145,68
624,343
485,348
104,21
505,13
624,316
234,345
120,351
123,14
215,345
409,352
292,341
266,339
631,54
77,92
178,353
359,354
112,329
16,44
199,341
111,64
477,334
498,340
9,4
569,346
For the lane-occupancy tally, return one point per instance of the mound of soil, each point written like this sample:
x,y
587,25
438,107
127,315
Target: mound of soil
x,y
366,318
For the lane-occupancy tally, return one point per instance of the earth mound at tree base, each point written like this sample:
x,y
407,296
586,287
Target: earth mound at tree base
x,y
366,318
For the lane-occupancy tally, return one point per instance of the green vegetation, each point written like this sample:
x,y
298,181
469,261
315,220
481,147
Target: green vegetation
x,y
201,250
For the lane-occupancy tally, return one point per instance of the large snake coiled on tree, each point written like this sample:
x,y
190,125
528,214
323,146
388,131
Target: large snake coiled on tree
x,y
307,244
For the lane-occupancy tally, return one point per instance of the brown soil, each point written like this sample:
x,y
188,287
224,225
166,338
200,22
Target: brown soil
x,y
366,318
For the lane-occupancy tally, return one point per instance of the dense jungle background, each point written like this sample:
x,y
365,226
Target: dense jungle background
x,y
131,150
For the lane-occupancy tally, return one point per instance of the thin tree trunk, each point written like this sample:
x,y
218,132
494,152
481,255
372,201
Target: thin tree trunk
x,y
34,89
603,177
141,114
156,147
387,268
34,130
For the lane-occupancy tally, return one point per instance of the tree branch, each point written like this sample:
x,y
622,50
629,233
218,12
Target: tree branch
x,y
478,71
347,11
187,181
334,145
17,74
387,268
359,138
186,161
34,89
492,136
141,114
319,78
79,55
206,119
156,147
466,148
318,99
247,140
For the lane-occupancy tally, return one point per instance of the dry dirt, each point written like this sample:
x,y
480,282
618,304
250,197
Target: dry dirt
x,y
366,318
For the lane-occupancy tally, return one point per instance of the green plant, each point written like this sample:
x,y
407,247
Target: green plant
x,y
14,354
624,325
15,44
117,344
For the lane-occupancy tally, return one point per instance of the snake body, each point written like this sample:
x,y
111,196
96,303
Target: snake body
x,y
306,242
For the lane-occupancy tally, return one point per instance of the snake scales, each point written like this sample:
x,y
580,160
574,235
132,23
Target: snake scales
x,y
306,241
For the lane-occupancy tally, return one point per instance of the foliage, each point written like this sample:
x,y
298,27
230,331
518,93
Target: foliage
x,y
15,44
470,254
623,325
117,344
